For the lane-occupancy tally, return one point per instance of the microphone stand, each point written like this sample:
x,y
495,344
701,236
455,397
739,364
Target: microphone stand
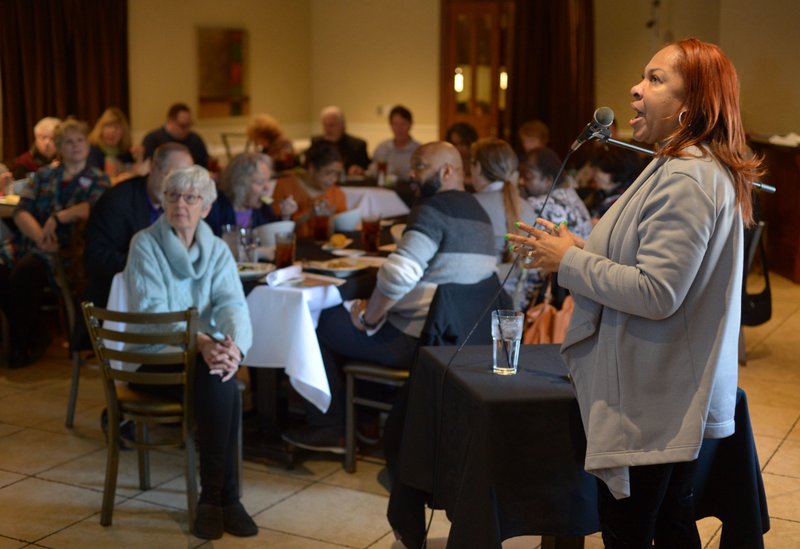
x,y
607,139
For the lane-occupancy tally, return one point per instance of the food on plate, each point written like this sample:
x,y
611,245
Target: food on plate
x,y
342,264
337,240
249,267
266,200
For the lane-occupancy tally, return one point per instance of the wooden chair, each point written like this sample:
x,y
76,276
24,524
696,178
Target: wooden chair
x,y
455,308
235,143
142,409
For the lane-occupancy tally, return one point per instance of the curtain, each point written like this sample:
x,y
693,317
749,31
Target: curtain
x,y
554,67
60,58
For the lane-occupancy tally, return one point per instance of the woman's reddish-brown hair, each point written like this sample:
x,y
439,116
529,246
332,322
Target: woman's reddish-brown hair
x,y
713,116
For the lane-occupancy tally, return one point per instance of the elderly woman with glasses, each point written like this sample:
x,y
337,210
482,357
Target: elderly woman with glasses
x,y
247,186
178,263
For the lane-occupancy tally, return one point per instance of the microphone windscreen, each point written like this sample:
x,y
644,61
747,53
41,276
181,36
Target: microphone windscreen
x,y
604,116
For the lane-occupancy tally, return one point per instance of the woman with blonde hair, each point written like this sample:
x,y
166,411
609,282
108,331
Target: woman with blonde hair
x,y
110,141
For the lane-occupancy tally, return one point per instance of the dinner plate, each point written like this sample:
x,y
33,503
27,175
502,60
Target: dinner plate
x,y
327,246
308,280
348,252
336,267
253,271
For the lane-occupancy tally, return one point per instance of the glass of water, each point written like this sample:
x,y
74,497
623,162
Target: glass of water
x,y
506,336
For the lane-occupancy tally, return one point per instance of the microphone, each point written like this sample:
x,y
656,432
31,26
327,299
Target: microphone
x,y
598,127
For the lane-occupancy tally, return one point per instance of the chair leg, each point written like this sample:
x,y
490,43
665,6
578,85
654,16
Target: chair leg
x,y
73,389
350,427
143,456
191,476
240,443
112,467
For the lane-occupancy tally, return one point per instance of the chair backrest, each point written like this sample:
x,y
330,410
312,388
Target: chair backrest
x,y
235,143
151,339
456,308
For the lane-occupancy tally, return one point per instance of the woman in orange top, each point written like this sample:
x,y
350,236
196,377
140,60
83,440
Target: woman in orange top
x,y
313,187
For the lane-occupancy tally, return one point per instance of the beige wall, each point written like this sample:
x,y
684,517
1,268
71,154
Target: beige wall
x,y
761,38
367,55
364,55
163,65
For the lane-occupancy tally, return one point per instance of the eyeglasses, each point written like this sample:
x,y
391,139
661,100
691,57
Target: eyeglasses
x,y
188,198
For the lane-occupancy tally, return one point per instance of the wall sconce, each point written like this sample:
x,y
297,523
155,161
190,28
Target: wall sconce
x,y
503,79
458,81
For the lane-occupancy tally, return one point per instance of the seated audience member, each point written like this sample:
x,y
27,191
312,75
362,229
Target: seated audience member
x,y
121,212
448,239
246,182
537,173
110,141
178,263
532,135
494,178
395,153
41,153
54,199
607,175
177,129
269,139
313,188
6,178
352,149
462,136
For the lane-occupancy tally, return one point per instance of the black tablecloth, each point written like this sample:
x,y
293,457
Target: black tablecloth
x,y
509,460
503,455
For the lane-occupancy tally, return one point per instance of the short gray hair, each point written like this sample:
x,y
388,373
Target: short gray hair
x,y
193,178
46,123
237,175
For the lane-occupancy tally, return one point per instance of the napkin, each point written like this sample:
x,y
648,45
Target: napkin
x,y
791,139
370,331
279,276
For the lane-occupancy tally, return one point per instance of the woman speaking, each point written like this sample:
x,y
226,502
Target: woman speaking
x,y
652,345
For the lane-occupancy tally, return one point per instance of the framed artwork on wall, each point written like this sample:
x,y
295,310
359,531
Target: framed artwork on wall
x,y
222,60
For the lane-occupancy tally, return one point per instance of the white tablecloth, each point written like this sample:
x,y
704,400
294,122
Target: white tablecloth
x,y
284,333
284,336
375,201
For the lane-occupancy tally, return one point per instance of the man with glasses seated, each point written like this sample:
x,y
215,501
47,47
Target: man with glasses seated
x,y
178,129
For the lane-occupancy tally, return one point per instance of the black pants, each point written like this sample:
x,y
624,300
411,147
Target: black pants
x,y
660,508
22,290
217,412
339,340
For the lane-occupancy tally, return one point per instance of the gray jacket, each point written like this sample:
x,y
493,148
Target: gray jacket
x,y
652,346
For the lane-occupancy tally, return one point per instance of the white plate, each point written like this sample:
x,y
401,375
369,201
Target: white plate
x,y
327,246
348,252
307,280
253,271
336,267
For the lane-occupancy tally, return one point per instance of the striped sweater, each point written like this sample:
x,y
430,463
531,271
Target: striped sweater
x,y
449,238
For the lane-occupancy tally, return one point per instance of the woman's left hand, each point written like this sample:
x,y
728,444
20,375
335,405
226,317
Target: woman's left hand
x,y
355,314
544,247
222,356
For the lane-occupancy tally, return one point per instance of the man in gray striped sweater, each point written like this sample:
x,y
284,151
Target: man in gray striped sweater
x,y
448,239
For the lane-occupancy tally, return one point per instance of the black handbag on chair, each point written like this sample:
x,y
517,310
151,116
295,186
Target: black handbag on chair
x,y
756,308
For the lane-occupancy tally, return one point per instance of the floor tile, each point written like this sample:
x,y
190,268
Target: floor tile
x,y
8,543
89,471
262,490
365,478
766,446
353,518
7,478
48,507
28,409
772,421
32,451
7,429
783,496
309,467
136,524
708,529
273,540
786,461
783,534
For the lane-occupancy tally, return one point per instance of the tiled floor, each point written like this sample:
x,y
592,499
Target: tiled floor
x,y
51,478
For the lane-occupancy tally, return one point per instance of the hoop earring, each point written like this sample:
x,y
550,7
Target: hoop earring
x,y
681,117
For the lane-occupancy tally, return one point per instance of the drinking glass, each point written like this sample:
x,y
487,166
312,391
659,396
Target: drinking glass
x,y
506,336
370,232
248,244
230,234
284,250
